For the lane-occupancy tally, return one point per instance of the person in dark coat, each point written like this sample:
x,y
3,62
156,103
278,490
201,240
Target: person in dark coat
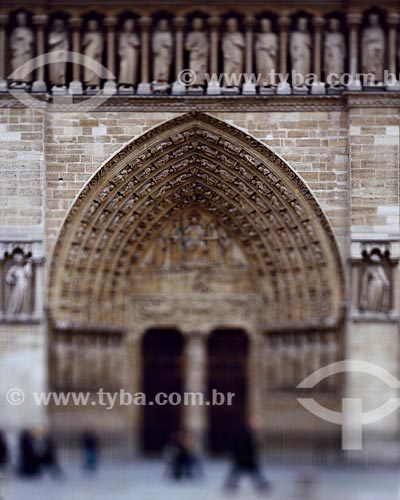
x,y
48,456
90,446
29,462
4,454
245,460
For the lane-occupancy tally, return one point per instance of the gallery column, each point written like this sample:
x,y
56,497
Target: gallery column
x,y
178,87
214,86
318,87
110,87
3,81
144,87
283,87
393,20
75,87
39,85
354,20
249,86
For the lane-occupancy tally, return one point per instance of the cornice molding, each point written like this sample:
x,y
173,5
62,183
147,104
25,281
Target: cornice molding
x,y
239,104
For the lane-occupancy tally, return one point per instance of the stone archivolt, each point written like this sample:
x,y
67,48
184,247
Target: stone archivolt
x,y
196,162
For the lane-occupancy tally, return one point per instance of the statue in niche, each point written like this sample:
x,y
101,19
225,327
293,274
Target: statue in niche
x,y
162,52
19,283
58,46
374,286
334,52
197,45
128,54
21,44
266,51
214,248
232,48
195,244
92,45
300,48
373,50
176,243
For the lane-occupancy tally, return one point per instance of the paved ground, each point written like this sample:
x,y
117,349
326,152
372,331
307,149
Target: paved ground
x,y
145,480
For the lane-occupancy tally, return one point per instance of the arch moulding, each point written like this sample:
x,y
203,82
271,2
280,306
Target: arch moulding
x,y
197,162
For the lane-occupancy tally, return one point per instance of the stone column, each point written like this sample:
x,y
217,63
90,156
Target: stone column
x,y
249,86
178,87
110,87
75,87
3,80
195,416
39,85
354,20
283,87
393,20
144,87
318,87
214,86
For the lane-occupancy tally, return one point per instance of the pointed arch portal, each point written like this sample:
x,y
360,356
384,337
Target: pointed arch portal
x,y
197,162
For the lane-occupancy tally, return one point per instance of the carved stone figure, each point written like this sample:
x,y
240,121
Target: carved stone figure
x,y
266,51
162,51
374,286
128,54
300,48
197,45
92,45
373,49
21,44
232,48
58,45
195,245
334,52
19,281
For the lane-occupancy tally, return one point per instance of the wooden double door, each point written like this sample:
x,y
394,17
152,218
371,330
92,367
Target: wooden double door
x,y
163,372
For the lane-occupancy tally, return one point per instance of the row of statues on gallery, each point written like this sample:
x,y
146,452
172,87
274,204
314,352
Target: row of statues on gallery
x,y
197,46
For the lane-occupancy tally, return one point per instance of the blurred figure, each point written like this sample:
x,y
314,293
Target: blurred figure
x,y
4,454
29,463
245,461
90,446
181,458
47,453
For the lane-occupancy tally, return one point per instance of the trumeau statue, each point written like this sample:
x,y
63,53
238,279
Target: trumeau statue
x,y
19,282
374,286
300,48
232,48
92,45
334,51
197,45
128,54
21,43
373,49
162,51
266,50
58,45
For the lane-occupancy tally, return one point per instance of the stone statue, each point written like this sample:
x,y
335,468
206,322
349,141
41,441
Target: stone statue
x,y
195,245
92,45
334,52
214,248
19,281
128,54
162,51
300,48
266,51
197,45
21,44
58,46
373,49
375,286
232,48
